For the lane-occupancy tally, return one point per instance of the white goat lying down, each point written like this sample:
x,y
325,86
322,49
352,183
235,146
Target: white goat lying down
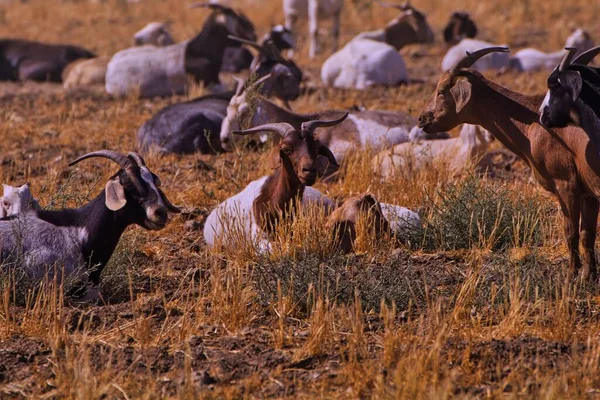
x,y
382,218
492,61
530,59
372,58
458,153
362,129
253,213
17,200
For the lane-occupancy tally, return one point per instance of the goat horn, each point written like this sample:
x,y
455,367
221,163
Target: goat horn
x,y
471,58
566,60
274,51
281,128
586,57
240,86
318,123
115,156
137,158
248,42
404,6
261,80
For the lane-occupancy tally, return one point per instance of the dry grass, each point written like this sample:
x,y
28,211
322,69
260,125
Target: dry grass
x,y
475,305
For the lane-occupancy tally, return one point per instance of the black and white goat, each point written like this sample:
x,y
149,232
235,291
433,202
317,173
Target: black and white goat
x,y
164,71
79,242
22,60
573,96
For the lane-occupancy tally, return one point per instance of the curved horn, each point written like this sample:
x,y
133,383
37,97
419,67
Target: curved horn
x,y
471,58
317,123
281,128
137,158
213,6
115,156
260,82
566,60
586,57
248,42
240,86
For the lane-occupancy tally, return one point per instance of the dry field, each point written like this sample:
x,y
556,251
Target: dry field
x,y
476,305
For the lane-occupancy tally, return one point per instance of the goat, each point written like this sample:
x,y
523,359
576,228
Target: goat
x,y
194,126
362,129
86,72
236,59
382,218
532,59
154,33
264,202
314,10
562,160
163,71
459,26
573,96
372,58
493,61
17,200
22,60
78,240
457,153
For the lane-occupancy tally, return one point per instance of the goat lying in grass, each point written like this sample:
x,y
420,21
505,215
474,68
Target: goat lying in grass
x,y
255,211
381,218
17,200
76,244
457,153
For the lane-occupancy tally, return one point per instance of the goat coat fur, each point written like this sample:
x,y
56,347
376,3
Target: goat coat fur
x,y
233,220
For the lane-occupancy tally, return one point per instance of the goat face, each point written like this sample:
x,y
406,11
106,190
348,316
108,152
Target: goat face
x,y
558,108
239,113
459,27
298,152
445,106
134,192
15,200
281,37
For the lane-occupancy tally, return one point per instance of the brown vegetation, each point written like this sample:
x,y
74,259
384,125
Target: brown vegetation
x,y
475,304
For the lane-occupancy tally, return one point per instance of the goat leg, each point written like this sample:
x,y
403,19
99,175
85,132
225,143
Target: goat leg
x,y
571,209
313,27
589,219
335,31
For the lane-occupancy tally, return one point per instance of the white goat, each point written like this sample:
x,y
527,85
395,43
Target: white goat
x,y
253,213
530,59
492,61
154,33
313,10
372,58
17,200
457,153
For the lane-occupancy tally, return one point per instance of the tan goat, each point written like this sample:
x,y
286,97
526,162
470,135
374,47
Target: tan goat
x,y
563,161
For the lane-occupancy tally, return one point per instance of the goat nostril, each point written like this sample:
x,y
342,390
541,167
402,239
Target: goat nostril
x,y
161,212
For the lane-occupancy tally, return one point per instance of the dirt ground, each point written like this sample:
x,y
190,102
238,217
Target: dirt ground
x,y
494,317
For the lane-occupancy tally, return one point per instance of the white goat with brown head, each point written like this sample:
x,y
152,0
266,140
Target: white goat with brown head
x,y
264,202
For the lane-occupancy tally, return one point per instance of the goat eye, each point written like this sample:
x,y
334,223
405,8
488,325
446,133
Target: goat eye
x,y
287,150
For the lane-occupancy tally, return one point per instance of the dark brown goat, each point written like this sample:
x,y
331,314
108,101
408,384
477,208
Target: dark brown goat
x,y
459,26
562,160
22,60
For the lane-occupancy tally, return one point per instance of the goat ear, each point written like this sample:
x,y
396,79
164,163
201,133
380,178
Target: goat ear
x,y
325,152
574,81
115,195
461,92
368,201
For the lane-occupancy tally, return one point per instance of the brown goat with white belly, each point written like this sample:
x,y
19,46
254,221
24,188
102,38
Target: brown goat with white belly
x,y
563,160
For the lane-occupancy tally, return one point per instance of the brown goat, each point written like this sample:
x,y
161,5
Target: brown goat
x,y
295,168
563,161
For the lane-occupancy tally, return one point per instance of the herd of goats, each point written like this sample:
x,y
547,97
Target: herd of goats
x,y
557,135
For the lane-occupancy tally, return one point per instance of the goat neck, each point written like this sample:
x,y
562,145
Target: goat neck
x,y
511,125
278,196
99,228
209,45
